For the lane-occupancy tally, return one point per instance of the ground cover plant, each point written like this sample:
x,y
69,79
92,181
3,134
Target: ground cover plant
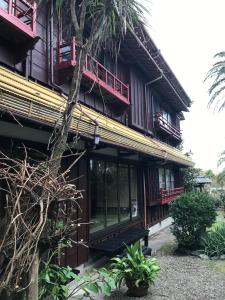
x,y
214,242
192,213
134,269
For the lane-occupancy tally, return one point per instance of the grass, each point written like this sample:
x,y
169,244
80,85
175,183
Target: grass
x,y
220,219
217,265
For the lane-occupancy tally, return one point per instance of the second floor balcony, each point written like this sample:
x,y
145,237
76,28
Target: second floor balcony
x,y
18,19
94,72
166,127
168,195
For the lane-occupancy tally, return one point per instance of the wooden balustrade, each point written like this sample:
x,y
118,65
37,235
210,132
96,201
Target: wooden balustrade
x,y
163,124
93,70
168,195
21,14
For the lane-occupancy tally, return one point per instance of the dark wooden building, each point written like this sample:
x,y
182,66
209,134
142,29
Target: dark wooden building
x,y
135,105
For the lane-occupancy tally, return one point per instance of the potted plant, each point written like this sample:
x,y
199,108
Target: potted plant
x,y
136,270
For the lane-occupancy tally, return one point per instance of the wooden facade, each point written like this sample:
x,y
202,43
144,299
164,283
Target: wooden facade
x,y
138,94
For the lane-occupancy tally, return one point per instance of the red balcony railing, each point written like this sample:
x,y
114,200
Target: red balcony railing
x,y
168,195
93,70
164,125
20,14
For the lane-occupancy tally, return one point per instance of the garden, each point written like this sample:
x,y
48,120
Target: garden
x,y
190,266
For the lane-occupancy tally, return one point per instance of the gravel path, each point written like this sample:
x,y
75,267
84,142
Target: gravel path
x,y
184,278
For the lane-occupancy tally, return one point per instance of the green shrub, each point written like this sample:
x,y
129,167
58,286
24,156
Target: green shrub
x,y
214,243
192,213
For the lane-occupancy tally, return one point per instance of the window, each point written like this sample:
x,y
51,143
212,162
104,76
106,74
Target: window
x,y
113,193
166,178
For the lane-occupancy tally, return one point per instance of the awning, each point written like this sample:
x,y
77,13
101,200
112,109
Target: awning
x,y
36,102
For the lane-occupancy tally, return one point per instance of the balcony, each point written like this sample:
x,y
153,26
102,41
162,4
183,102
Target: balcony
x,y
93,71
168,195
18,19
162,125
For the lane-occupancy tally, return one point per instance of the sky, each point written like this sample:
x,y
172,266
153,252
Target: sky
x,y
188,34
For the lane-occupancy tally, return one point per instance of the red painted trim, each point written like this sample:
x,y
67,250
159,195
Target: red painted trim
x,y
94,71
10,17
168,195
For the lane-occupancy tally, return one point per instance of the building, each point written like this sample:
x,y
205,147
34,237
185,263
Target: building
x,y
202,183
129,120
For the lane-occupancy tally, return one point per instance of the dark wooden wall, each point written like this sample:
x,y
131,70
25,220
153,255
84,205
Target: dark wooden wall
x,y
36,66
78,254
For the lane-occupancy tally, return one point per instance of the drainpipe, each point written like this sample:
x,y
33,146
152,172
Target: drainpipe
x,y
145,96
52,81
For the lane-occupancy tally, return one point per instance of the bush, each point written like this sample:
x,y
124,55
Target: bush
x,y
214,243
192,213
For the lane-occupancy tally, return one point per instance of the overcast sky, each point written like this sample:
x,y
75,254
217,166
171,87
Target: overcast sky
x,y
189,33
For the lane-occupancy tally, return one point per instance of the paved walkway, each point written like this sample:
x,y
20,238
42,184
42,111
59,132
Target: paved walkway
x,y
159,239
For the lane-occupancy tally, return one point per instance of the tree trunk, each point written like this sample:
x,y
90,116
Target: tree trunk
x,y
60,144
32,293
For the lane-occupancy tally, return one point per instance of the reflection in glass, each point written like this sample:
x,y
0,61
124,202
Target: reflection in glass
x,y
97,170
124,193
133,182
111,193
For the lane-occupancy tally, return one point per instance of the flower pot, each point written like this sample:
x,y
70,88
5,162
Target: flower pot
x,y
134,291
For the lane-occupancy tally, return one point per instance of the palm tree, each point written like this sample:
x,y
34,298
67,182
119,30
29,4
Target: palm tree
x,y
96,24
216,77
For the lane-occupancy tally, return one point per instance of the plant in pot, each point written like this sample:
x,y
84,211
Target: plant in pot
x,y
136,270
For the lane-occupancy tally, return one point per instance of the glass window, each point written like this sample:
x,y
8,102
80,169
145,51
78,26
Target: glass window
x,y
167,172
97,172
172,180
111,194
162,184
4,4
124,193
134,194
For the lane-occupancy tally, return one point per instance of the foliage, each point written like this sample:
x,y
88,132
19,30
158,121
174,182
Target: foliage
x,y
209,173
54,279
53,282
214,242
134,267
34,208
192,213
216,76
221,179
189,178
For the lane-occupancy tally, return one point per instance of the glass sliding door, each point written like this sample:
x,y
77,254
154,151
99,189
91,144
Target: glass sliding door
x,y
112,212
134,192
97,180
113,193
124,198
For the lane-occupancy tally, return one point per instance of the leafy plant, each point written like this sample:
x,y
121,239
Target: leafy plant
x,y
214,243
192,213
53,283
135,268
54,280
189,176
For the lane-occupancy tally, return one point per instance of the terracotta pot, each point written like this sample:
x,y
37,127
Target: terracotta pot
x,y
134,291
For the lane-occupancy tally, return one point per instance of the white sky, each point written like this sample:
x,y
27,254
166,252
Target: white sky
x,y
189,33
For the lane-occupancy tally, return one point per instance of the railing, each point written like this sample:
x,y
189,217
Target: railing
x,y
21,13
93,70
163,124
168,195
